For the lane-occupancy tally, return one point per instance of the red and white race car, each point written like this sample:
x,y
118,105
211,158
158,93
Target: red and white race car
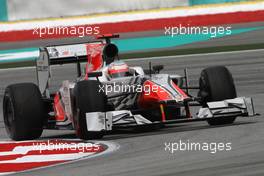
x,y
110,94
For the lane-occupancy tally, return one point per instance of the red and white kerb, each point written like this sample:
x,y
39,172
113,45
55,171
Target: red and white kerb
x,y
21,156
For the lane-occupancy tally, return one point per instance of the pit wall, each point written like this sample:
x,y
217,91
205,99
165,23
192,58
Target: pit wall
x,y
13,10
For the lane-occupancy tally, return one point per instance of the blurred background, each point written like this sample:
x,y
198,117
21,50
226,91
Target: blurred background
x,y
11,10
141,24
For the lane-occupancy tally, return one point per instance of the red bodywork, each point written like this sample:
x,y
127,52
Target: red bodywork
x,y
94,57
157,94
58,109
152,97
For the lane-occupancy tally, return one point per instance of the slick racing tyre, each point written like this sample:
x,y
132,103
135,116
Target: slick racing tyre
x,y
88,98
216,84
23,111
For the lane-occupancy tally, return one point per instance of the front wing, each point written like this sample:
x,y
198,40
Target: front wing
x,y
105,121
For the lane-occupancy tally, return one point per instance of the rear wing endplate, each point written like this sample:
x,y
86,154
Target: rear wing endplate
x,y
54,55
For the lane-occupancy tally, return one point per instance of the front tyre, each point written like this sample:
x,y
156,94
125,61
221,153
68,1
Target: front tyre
x,y
88,98
23,111
216,84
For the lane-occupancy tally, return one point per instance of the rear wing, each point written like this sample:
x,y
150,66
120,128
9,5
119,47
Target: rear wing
x,y
63,54
72,53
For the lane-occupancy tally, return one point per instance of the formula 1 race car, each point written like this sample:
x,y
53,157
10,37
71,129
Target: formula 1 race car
x,y
109,94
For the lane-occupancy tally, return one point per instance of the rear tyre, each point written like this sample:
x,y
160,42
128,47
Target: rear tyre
x,y
88,99
23,111
216,84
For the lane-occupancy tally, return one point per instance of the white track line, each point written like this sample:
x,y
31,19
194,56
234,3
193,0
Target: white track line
x,y
7,173
18,55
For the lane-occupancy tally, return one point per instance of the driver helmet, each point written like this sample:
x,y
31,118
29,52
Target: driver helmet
x,y
118,69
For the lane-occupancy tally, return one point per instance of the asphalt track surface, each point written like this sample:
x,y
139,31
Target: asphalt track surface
x,y
143,152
